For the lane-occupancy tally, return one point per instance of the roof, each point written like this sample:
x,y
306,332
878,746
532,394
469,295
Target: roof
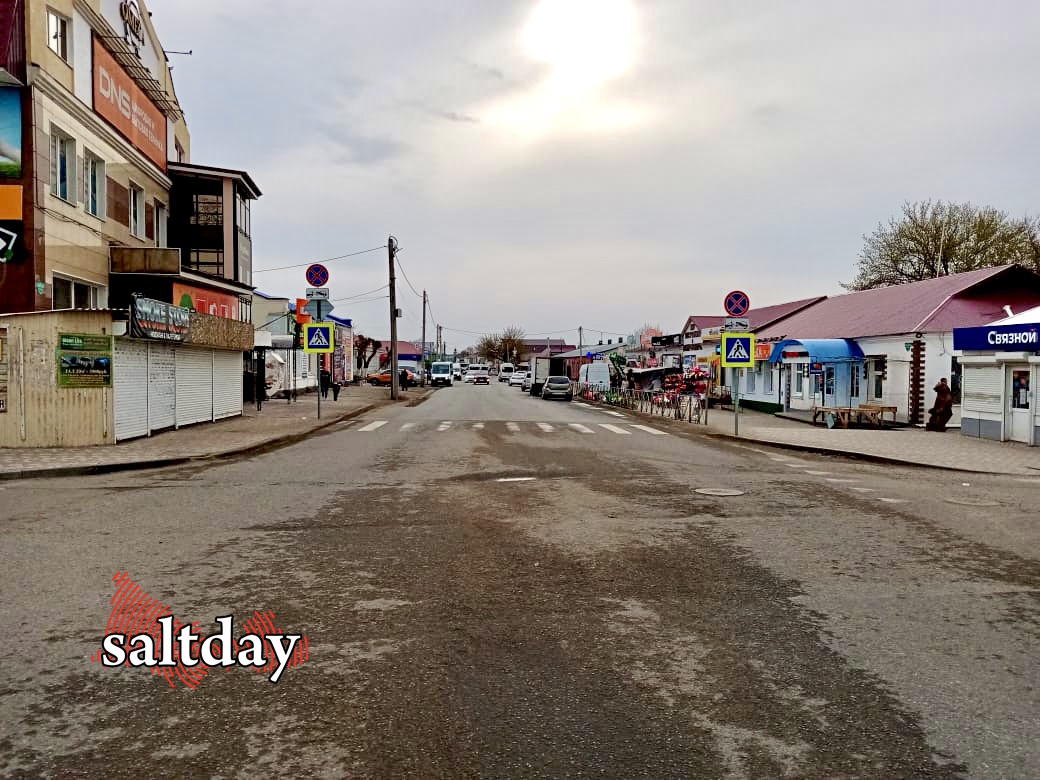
x,y
820,350
555,349
598,349
703,321
761,317
344,321
542,342
932,305
270,297
192,169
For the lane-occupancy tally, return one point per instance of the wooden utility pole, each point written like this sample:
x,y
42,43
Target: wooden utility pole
x,y
422,352
391,245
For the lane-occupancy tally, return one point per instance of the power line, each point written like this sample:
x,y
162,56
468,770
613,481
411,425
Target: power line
x,y
360,295
326,260
401,268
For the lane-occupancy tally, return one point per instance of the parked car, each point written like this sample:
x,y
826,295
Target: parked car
x,y
384,378
557,387
526,384
516,379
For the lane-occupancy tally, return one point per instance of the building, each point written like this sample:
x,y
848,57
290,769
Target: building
x,y
408,355
1001,374
127,268
534,348
576,358
886,346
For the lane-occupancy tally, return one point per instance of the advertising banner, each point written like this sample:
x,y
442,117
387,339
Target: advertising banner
x,y
84,360
151,319
10,133
119,100
206,301
999,338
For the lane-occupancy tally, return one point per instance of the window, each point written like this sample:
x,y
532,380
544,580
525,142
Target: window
x,y
94,184
828,380
768,368
799,380
58,34
242,215
854,378
74,294
879,377
207,261
208,210
178,151
63,165
136,210
1020,389
160,224
751,379
956,377
245,310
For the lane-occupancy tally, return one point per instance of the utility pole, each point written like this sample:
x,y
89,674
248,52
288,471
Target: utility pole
x,y
580,344
422,355
391,245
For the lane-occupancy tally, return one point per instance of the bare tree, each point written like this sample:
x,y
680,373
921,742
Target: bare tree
x,y
363,344
935,239
511,343
487,347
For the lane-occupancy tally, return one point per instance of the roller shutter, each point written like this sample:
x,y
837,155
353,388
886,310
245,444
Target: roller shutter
x,y
983,389
162,386
227,383
194,385
130,366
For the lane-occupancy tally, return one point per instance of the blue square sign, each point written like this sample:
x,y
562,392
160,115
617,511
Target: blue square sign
x,y
317,337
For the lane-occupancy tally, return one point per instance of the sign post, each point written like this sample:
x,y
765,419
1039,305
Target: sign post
x,y
318,337
738,349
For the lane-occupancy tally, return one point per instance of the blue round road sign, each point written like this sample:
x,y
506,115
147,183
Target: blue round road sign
x,y
737,303
317,275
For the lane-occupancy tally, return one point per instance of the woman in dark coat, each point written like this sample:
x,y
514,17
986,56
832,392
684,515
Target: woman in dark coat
x,y
942,409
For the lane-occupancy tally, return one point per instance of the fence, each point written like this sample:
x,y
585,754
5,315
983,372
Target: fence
x,y
692,408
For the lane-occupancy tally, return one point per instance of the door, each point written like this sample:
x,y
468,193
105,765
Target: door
x,y
1018,403
162,386
788,372
194,385
227,383
130,366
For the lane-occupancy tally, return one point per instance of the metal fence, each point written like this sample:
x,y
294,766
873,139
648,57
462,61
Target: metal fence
x,y
692,408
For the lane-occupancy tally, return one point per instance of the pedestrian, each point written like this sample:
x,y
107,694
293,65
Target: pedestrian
x,y
403,379
942,409
324,379
335,391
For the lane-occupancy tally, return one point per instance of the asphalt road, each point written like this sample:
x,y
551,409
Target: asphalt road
x,y
496,586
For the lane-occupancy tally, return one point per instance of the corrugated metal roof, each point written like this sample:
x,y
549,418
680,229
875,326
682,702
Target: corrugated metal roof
x,y
761,317
927,306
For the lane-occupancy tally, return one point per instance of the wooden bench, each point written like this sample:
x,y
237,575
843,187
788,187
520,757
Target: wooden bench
x,y
841,413
874,414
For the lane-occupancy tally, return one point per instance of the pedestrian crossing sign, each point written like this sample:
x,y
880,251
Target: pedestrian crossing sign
x,y
738,350
317,337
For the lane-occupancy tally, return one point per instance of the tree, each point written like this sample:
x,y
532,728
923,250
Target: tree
x,y
487,347
363,344
935,239
511,344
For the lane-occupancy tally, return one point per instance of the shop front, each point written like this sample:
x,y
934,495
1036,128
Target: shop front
x,y
819,373
1001,369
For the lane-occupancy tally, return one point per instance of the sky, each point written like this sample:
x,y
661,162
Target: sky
x,y
605,163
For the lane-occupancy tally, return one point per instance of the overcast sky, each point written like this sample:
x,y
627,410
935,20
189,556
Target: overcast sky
x,y
599,162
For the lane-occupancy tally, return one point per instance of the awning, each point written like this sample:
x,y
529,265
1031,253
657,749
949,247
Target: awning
x,y
820,350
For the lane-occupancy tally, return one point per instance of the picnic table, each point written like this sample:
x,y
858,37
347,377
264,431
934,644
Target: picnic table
x,y
874,414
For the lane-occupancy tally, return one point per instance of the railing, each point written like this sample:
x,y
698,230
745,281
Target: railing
x,y
692,408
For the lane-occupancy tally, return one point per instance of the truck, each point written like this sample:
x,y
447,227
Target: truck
x,y
541,368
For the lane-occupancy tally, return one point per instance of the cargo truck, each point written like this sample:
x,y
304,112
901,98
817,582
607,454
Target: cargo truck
x,y
542,368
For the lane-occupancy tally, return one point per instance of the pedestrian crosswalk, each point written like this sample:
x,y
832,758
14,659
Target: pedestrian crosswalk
x,y
618,428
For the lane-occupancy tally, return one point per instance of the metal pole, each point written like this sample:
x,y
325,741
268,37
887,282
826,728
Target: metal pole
x,y
422,352
391,245
321,369
736,402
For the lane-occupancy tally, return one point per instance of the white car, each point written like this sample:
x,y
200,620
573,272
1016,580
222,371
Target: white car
x,y
526,384
516,379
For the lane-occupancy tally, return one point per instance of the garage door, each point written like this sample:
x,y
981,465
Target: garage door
x,y
194,385
162,386
227,383
130,366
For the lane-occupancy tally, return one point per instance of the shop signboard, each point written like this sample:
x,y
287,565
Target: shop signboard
x,y
84,360
10,133
763,351
999,338
206,301
151,319
124,104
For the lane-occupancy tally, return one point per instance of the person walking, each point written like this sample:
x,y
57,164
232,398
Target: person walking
x,y
324,380
403,379
335,391
942,409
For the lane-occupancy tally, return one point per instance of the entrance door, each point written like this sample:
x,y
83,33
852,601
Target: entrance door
x,y
1018,403
788,370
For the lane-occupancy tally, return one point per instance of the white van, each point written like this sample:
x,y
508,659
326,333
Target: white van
x,y
504,372
456,371
595,374
441,374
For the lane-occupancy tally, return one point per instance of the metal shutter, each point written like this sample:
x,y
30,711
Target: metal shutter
x,y
227,383
162,386
983,389
130,364
194,385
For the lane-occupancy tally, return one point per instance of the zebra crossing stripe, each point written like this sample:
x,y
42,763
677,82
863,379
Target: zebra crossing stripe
x,y
615,414
512,426
444,425
546,427
615,429
581,428
373,426
648,429
408,426
478,426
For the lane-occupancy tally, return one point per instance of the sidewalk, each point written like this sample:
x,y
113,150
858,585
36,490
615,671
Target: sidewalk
x,y
279,423
912,446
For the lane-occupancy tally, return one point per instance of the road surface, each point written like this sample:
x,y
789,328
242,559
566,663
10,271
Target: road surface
x,y
496,586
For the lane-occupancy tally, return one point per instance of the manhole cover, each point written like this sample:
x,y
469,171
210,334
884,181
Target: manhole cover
x,y
719,492
972,502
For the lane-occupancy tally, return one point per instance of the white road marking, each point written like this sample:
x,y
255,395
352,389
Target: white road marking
x,y
444,425
513,427
648,429
615,429
581,428
836,479
865,490
796,465
514,479
546,427
893,500
579,403
408,426
478,426
819,473
373,425
616,414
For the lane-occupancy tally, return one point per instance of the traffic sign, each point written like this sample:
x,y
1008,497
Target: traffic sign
x,y
318,309
317,274
317,293
738,324
737,303
318,337
738,350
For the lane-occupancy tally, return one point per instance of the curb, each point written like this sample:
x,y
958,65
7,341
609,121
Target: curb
x,y
154,463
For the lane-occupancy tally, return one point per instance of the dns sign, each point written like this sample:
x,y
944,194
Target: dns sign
x,y
133,27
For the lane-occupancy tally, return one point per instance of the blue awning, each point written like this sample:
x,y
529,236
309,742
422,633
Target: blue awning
x,y
820,350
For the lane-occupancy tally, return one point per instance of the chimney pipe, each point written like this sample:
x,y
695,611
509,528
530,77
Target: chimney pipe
x,y
1008,311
